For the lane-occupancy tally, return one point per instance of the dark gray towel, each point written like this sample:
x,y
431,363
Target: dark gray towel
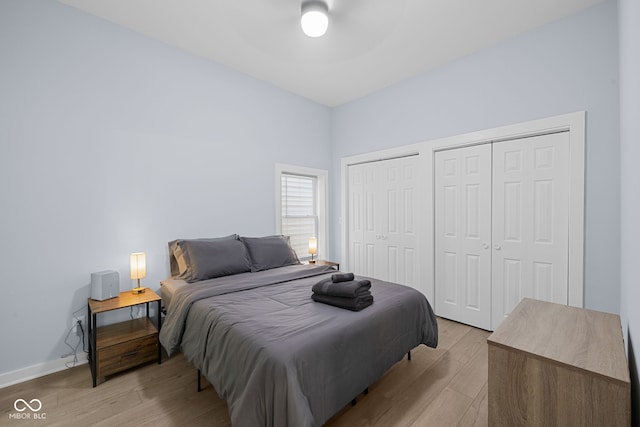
x,y
353,304
342,277
349,289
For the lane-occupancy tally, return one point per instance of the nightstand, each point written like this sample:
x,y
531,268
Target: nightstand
x,y
329,263
114,348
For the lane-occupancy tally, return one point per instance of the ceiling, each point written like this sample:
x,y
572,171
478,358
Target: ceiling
x,y
370,44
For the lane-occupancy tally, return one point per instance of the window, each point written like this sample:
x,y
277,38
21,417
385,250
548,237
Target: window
x,y
299,210
301,207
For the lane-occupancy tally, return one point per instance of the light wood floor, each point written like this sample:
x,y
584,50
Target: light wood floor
x,y
442,387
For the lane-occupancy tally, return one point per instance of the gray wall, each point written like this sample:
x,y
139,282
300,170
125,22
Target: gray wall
x,y
567,66
629,15
113,143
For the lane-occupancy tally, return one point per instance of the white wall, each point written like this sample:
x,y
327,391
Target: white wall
x,y
629,15
566,66
114,143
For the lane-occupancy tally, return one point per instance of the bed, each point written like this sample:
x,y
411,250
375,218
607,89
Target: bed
x,y
276,356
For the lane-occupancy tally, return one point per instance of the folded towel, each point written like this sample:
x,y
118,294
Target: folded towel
x,y
353,304
342,277
352,288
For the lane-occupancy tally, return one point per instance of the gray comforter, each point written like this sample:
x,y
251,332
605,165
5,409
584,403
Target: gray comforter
x,y
281,359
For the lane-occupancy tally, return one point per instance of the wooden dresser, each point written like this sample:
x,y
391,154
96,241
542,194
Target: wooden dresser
x,y
554,365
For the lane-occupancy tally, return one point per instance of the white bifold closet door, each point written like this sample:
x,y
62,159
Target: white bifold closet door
x,y
530,222
382,239
463,235
502,227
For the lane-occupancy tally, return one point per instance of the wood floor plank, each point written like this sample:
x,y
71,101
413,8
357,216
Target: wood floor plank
x,y
408,405
446,410
445,386
468,345
473,376
450,333
478,413
405,371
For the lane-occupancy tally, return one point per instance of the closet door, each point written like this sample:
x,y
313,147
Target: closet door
x,y
530,221
358,219
397,239
463,234
382,239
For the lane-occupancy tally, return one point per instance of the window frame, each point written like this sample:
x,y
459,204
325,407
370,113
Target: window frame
x,y
322,179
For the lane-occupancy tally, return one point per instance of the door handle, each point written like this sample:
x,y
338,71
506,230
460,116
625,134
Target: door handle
x,y
497,247
485,246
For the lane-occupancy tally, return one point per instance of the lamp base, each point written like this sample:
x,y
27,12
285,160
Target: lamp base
x,y
136,291
312,261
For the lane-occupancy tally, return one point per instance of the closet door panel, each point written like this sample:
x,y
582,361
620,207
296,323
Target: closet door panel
x,y
530,221
398,236
357,212
463,234
382,203
371,221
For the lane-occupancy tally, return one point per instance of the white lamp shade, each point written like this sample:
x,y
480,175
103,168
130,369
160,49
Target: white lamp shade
x,y
313,246
138,265
315,19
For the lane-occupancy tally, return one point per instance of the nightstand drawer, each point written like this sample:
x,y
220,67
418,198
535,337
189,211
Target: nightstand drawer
x,y
126,355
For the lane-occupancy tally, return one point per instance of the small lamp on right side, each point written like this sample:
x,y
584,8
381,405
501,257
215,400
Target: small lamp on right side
x,y
313,249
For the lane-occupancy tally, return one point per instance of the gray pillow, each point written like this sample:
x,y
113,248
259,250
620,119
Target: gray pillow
x,y
270,252
215,258
208,250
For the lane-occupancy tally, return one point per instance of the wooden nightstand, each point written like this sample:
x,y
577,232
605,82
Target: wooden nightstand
x,y
114,348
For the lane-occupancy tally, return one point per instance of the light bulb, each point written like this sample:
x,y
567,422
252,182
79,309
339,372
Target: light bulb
x,y
314,19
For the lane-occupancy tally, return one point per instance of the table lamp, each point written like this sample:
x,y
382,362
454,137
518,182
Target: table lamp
x,y
313,249
138,269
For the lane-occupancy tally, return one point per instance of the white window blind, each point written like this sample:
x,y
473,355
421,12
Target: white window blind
x,y
299,211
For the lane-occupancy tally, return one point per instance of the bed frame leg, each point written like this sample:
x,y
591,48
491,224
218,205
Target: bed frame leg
x,y
409,355
355,399
199,383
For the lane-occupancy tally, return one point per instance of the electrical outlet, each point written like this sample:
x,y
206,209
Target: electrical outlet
x,y
74,323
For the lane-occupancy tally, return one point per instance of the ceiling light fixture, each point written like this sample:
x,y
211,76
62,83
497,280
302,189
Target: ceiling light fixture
x,y
315,18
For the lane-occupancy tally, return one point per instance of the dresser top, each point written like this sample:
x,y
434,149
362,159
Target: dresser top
x,y
573,337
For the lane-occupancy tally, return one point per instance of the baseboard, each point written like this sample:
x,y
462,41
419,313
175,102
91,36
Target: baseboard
x,y
39,370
